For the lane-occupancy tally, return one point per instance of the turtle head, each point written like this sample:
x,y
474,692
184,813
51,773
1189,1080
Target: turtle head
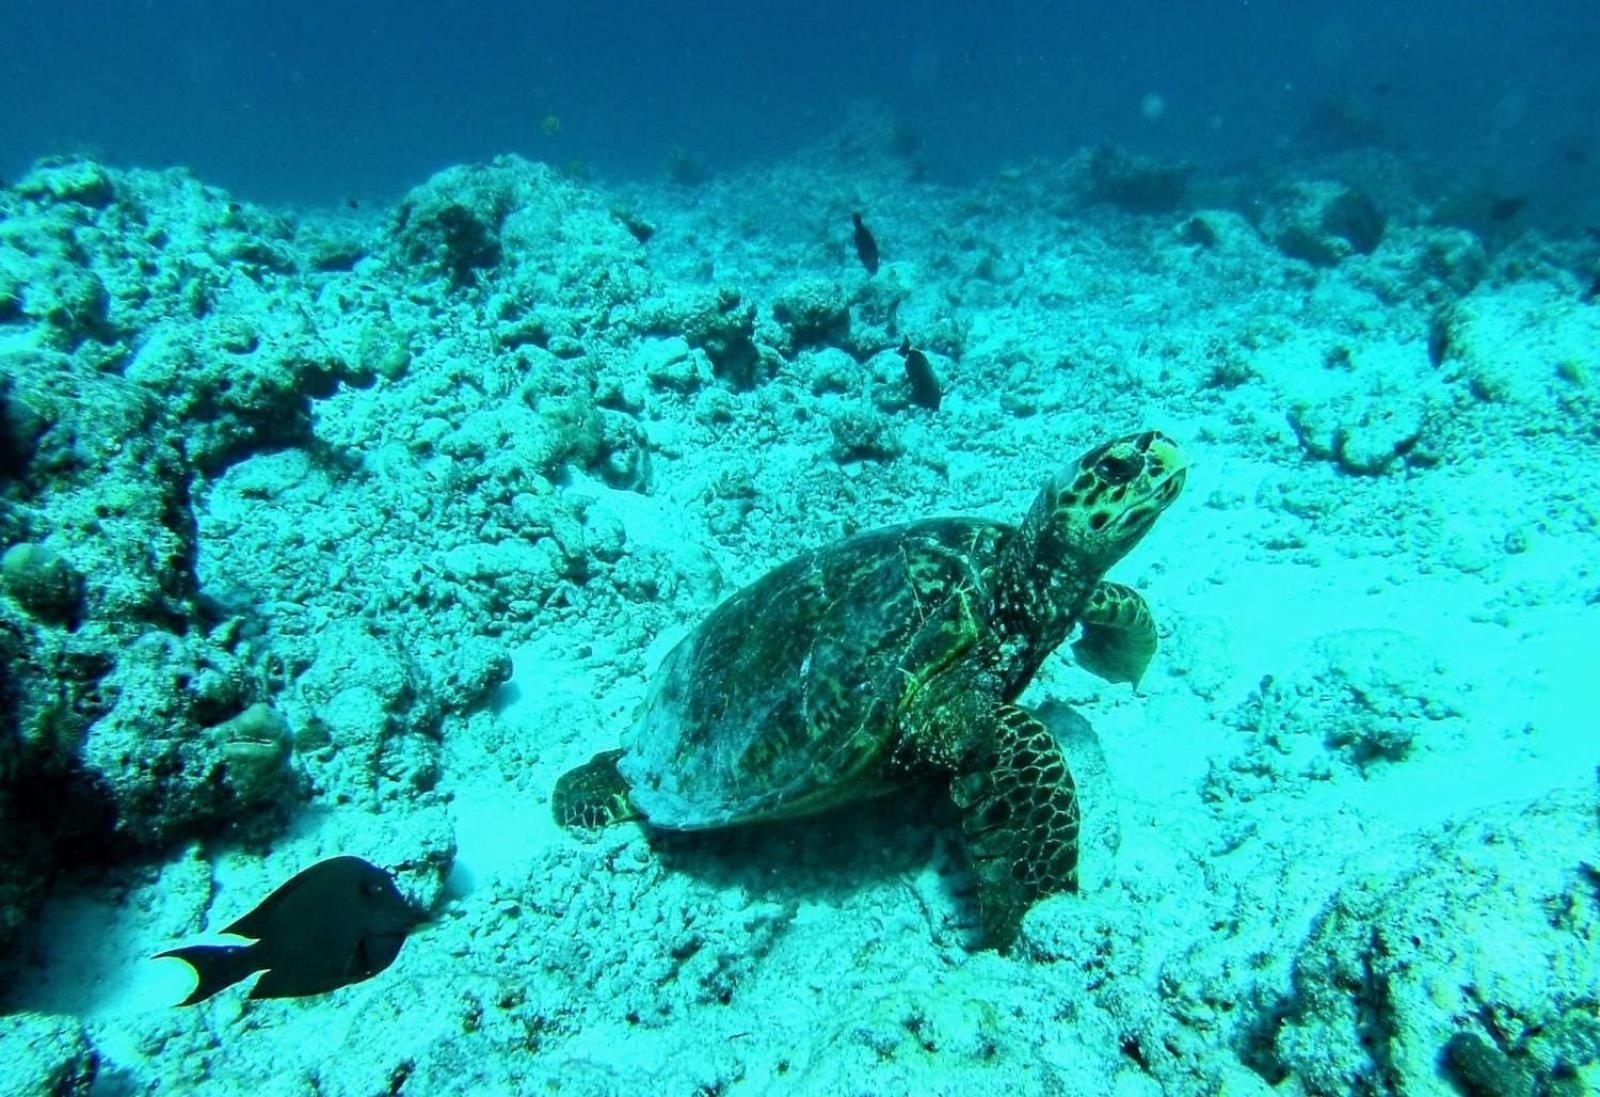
x,y
1100,507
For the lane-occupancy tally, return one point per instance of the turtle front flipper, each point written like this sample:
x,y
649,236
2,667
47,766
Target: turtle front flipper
x,y
593,795
1119,635
1019,816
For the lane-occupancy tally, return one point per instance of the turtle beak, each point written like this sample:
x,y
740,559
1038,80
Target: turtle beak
x,y
1167,465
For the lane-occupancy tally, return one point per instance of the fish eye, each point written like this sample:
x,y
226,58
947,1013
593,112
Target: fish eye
x,y
1119,468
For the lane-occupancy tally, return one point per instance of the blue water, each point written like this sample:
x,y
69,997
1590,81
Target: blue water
x,y
319,101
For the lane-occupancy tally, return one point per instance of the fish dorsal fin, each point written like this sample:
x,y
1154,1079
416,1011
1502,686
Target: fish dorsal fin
x,y
255,923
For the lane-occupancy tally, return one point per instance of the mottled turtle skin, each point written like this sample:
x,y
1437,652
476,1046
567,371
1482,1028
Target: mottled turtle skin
x,y
859,668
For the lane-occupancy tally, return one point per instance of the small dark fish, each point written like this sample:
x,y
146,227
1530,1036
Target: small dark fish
x,y
1594,289
866,246
352,203
338,922
1504,209
1440,336
924,385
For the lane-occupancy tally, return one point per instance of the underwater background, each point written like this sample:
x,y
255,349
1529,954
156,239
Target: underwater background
x,y
386,389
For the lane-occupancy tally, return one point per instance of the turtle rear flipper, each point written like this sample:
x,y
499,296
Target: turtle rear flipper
x,y
1019,816
1119,635
593,795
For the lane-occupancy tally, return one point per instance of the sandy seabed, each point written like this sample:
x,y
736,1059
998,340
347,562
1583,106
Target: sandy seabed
x,y
368,524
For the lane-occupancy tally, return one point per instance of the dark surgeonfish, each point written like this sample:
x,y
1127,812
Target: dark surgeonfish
x,y
925,391
338,922
866,246
1504,209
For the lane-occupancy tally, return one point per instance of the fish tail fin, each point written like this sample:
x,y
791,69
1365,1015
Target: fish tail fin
x,y
217,966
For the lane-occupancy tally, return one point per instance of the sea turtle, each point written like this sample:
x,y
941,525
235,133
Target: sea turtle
x,y
858,668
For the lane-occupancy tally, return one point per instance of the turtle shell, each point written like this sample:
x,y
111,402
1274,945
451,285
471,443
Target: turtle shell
x,y
787,699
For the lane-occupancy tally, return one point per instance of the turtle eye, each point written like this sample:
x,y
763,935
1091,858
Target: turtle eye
x,y
1119,468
